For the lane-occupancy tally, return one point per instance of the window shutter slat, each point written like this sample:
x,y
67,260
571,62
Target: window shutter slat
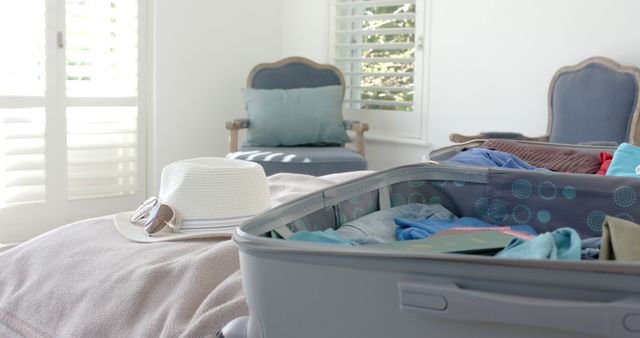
x,y
377,74
375,17
388,89
375,60
372,3
381,102
24,178
112,156
27,147
25,194
377,31
375,48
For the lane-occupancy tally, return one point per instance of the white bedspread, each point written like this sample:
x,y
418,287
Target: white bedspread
x,y
86,280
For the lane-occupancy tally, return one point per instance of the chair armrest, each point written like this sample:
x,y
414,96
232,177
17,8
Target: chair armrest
x,y
237,124
458,138
348,124
233,127
360,128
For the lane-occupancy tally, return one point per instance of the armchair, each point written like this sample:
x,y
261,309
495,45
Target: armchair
x,y
594,102
297,73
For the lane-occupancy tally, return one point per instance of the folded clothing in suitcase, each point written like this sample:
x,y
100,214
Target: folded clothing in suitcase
x,y
299,289
578,159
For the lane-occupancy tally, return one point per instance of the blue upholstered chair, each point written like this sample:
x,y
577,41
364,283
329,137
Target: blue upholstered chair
x,y
295,73
596,101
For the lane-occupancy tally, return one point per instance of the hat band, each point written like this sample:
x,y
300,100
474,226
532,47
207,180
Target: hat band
x,y
160,215
206,224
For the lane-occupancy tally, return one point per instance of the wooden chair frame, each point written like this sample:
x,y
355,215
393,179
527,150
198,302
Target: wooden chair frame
x,y
234,126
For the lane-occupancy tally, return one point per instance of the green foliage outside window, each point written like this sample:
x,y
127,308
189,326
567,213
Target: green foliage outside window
x,y
403,85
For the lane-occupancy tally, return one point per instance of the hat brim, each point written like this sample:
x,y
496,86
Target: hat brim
x,y
136,233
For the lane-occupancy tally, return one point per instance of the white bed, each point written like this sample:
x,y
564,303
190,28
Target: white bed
x,y
86,280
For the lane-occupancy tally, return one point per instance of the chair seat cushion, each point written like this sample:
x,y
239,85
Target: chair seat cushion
x,y
316,161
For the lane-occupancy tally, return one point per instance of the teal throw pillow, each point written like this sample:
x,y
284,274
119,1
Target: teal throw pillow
x,y
303,116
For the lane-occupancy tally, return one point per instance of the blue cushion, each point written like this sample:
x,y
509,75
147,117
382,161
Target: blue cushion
x,y
315,161
302,116
593,104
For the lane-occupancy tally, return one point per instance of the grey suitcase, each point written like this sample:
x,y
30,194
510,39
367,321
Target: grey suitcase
x,y
299,289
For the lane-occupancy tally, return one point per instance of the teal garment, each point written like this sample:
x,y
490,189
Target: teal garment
x,y
626,161
303,116
563,244
328,236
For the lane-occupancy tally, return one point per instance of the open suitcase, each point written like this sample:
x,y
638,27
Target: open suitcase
x,y
300,289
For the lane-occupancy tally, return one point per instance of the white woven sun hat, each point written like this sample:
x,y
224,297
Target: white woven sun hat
x,y
210,197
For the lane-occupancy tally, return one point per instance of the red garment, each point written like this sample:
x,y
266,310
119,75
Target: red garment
x,y
605,158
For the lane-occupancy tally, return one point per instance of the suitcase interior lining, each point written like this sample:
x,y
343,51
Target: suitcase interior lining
x,y
543,200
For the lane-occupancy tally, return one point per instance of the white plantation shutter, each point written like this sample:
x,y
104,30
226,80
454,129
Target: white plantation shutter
x,y
70,137
101,151
101,88
22,177
376,44
22,112
375,48
101,48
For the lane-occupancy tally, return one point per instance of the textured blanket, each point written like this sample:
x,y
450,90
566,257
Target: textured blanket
x,y
86,280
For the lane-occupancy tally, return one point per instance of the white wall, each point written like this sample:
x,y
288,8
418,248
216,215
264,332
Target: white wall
x,y
489,66
305,29
490,61
204,50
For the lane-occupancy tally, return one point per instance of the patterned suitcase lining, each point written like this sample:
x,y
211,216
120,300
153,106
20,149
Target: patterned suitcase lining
x,y
450,194
543,200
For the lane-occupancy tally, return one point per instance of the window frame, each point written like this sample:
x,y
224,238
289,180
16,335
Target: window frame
x,y
388,125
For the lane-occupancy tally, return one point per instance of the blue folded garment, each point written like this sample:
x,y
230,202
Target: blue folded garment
x,y
377,227
563,243
410,229
482,157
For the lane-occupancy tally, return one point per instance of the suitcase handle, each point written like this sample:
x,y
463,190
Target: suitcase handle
x,y
617,318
